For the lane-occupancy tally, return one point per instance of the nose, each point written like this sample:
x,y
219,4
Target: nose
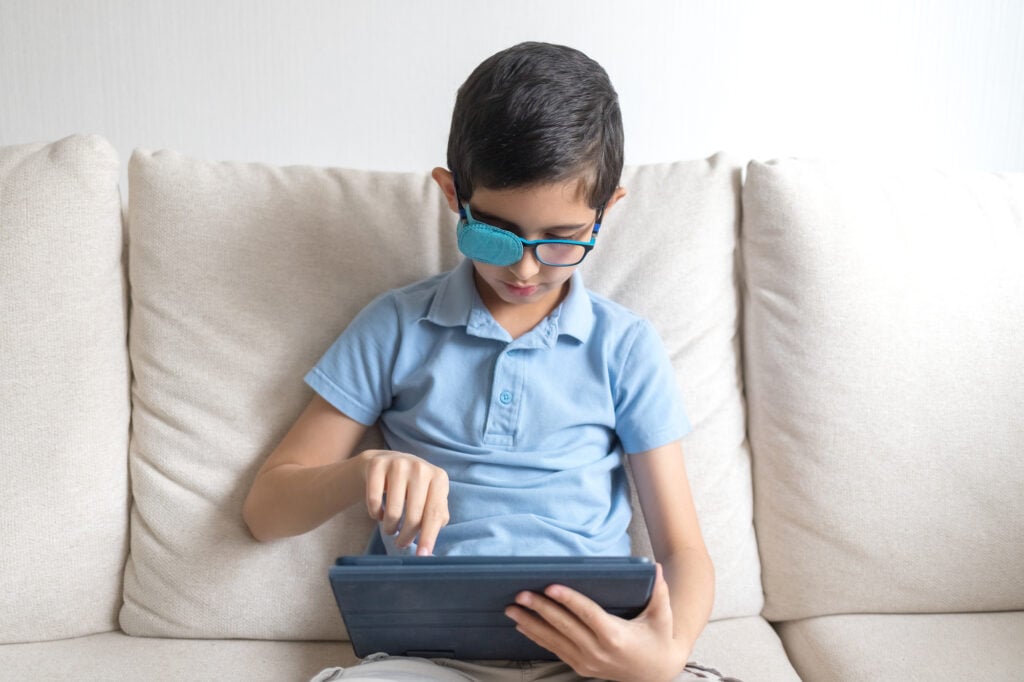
x,y
527,266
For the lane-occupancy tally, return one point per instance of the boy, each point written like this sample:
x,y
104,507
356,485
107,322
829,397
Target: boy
x,y
508,393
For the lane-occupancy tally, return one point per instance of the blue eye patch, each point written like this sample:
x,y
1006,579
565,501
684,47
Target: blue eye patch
x,y
488,244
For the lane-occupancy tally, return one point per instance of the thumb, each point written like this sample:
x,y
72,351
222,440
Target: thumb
x,y
659,608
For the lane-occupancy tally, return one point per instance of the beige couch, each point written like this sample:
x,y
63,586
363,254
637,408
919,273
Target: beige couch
x,y
849,340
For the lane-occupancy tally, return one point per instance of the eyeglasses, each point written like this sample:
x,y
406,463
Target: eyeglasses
x,y
489,244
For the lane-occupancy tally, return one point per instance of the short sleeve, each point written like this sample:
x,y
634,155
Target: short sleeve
x,y
649,409
354,375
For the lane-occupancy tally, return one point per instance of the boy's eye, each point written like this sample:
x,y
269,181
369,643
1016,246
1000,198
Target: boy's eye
x,y
576,236
501,224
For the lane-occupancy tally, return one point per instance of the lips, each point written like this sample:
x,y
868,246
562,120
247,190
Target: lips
x,y
521,290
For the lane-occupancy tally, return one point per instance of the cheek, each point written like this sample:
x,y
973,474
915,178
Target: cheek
x,y
558,275
487,272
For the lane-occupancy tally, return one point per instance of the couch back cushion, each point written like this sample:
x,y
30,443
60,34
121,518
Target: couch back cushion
x,y
63,390
884,322
243,274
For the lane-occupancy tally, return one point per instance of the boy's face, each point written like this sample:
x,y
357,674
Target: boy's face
x,y
555,211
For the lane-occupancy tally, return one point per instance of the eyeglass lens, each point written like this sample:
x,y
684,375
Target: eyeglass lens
x,y
560,254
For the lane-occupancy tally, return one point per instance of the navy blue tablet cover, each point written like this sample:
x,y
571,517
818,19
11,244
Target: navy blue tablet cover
x,y
453,607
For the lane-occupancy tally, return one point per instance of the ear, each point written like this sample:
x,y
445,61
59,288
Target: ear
x,y
444,179
616,195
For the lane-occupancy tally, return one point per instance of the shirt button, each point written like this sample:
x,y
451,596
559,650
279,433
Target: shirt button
x,y
505,397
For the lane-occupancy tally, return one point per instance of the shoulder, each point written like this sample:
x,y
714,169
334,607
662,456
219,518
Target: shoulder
x,y
614,322
380,327
609,309
419,291
630,344
407,303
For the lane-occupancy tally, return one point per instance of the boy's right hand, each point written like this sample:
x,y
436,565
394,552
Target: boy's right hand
x,y
415,489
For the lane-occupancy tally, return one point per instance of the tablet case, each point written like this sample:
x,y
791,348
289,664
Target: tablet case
x,y
453,607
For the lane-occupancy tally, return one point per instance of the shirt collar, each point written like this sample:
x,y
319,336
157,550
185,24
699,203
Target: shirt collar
x,y
576,314
455,298
457,303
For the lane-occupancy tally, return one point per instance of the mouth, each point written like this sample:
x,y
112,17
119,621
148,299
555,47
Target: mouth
x,y
522,290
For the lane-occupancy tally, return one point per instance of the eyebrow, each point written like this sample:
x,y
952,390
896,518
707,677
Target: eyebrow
x,y
484,215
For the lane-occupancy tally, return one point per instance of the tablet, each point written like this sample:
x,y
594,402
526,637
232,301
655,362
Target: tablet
x,y
454,607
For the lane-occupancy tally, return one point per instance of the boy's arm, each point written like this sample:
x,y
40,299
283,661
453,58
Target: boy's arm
x,y
312,475
597,644
309,477
664,492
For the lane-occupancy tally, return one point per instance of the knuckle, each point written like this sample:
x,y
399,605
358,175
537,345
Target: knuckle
x,y
438,514
373,465
605,656
584,669
613,642
392,513
412,518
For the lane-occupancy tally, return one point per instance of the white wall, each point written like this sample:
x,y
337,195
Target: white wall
x,y
370,84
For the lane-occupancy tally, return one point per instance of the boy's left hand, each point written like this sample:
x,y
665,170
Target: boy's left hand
x,y
597,644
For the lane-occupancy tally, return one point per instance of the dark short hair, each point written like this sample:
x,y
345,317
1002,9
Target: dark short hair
x,y
537,113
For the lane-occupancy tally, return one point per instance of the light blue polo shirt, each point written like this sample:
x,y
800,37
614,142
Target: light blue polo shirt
x,y
531,431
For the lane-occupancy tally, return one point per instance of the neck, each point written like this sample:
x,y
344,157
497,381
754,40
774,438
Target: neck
x,y
519,318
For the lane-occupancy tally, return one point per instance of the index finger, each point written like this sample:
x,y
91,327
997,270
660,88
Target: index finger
x,y
435,516
579,604
376,483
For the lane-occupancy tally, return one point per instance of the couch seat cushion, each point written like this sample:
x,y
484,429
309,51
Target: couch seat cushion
x,y
117,656
925,647
746,648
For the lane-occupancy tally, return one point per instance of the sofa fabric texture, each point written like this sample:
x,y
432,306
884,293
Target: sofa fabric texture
x,y
919,647
750,647
885,380
63,390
